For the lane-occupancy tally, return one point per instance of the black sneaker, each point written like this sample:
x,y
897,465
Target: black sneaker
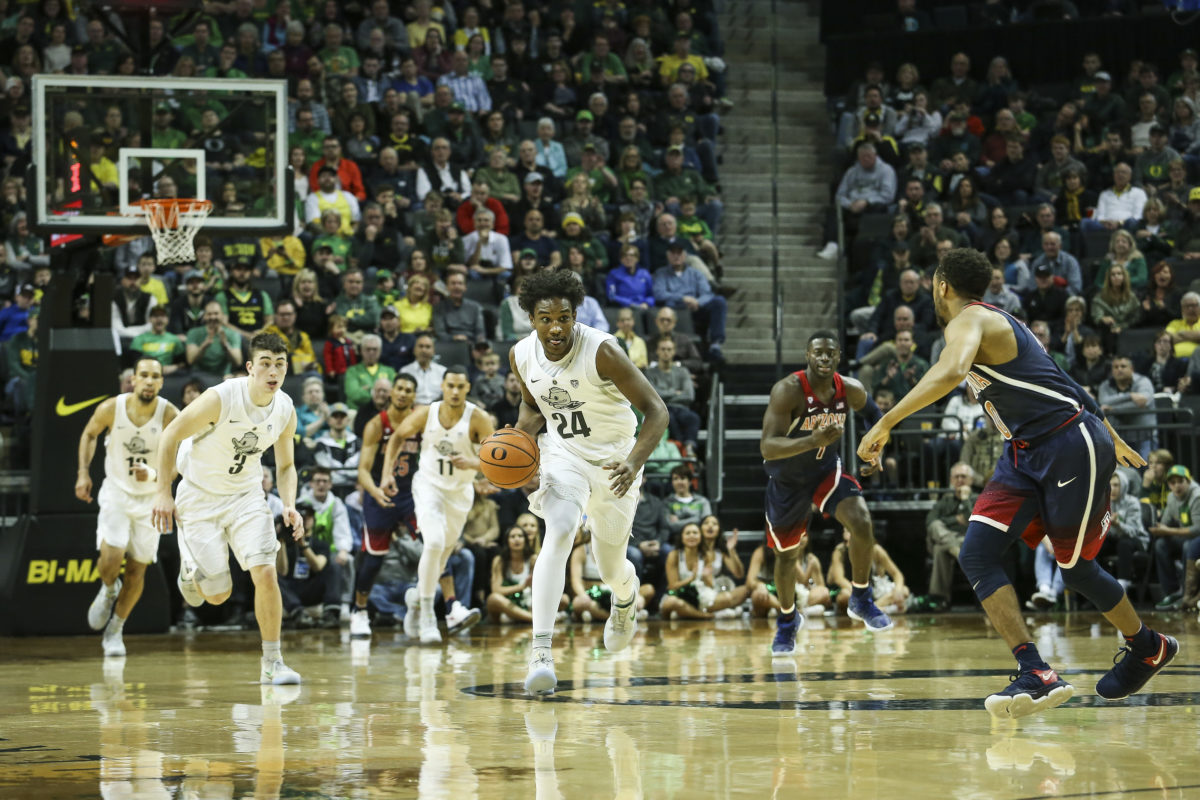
x,y
1131,671
1030,691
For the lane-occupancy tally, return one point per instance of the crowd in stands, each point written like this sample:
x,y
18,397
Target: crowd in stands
x,y
1088,207
441,153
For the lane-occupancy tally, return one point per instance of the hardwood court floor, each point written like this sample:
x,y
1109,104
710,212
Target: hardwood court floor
x,y
694,710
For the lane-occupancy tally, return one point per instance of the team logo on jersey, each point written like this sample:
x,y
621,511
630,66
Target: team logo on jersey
x,y
560,399
444,448
246,446
137,446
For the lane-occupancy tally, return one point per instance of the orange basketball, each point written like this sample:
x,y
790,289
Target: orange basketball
x,y
508,458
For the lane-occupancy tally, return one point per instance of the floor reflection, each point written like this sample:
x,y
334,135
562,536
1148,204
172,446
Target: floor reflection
x,y
688,711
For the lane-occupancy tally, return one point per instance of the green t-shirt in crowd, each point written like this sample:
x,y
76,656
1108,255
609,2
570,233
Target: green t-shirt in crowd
x,y
213,358
165,348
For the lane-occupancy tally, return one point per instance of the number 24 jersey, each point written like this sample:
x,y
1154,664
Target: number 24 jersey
x,y
585,414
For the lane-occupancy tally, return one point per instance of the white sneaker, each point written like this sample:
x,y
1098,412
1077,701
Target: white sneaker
x,y
430,633
461,618
189,589
540,678
586,616
112,643
561,616
101,608
360,624
412,606
829,252
280,695
276,673
622,622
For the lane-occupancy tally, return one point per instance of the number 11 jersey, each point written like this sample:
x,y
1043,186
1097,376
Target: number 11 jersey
x,y
586,414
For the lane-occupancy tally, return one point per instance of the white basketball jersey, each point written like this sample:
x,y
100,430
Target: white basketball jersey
x,y
584,413
127,445
226,459
439,445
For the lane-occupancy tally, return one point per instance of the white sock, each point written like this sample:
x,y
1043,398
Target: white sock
x,y
271,651
549,573
427,614
113,588
115,624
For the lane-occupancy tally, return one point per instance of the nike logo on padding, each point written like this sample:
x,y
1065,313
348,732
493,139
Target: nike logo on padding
x,y
64,410
534,380
1162,651
1064,483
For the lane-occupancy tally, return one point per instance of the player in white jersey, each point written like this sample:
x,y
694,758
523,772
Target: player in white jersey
x,y
220,503
579,383
134,421
443,490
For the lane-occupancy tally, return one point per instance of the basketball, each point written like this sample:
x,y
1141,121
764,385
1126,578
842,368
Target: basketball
x,y
508,458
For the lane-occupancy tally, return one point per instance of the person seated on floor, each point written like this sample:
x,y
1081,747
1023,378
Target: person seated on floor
x,y
692,591
812,595
887,581
592,597
512,579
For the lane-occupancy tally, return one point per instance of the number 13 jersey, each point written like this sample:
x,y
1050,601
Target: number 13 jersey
x,y
127,445
226,459
586,414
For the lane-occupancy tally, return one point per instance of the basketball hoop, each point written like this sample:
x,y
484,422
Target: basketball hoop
x,y
173,222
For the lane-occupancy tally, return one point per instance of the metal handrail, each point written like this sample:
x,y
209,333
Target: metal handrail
x,y
1174,428
714,445
776,284
14,495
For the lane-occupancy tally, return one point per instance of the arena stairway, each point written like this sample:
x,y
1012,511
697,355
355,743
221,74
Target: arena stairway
x,y
796,142
747,389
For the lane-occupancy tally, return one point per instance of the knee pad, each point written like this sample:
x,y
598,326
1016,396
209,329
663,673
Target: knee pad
x,y
214,585
1087,578
980,555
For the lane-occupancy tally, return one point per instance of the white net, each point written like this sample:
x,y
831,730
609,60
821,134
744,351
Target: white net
x,y
173,224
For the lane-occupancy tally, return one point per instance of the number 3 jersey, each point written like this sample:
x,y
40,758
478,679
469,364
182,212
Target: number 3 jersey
x,y
585,414
226,459
127,445
440,445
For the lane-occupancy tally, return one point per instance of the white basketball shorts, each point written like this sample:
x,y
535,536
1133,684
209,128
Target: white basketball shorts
x,y
441,513
124,523
210,525
588,486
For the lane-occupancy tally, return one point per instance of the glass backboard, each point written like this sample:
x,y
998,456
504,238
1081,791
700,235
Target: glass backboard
x,y
101,143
